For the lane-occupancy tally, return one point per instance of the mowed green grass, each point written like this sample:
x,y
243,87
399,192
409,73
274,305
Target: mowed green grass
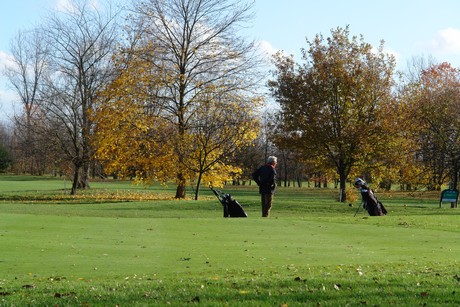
x,y
126,245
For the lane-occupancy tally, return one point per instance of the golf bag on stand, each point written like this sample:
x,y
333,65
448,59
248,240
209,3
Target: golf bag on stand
x,y
369,201
231,207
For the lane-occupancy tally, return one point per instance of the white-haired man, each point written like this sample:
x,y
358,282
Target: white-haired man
x,y
265,177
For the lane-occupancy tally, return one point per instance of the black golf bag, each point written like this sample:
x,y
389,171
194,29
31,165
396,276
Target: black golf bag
x,y
231,207
370,202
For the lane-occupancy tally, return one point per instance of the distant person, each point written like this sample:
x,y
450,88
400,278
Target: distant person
x,y
265,177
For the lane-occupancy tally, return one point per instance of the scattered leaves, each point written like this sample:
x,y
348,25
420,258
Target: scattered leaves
x,y
59,295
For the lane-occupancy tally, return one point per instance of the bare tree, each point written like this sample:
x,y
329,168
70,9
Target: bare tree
x,y
80,42
24,74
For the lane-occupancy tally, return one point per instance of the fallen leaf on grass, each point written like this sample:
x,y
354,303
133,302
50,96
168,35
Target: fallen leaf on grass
x,y
56,278
58,295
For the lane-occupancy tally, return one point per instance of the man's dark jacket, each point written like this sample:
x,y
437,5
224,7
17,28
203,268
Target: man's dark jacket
x,y
265,177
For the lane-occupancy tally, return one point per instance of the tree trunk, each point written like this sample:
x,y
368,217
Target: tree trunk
x,y
85,176
75,181
343,183
455,172
343,171
180,191
198,182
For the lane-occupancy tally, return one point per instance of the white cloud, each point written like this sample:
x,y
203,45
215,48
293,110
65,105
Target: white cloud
x,y
64,5
8,102
388,51
8,98
69,6
267,48
446,41
6,60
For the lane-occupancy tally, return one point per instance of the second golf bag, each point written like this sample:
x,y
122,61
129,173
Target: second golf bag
x,y
370,202
231,207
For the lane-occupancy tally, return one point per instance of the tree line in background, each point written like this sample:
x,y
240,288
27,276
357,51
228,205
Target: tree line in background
x,y
170,90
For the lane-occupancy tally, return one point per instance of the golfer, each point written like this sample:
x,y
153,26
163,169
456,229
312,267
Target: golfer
x,y
265,177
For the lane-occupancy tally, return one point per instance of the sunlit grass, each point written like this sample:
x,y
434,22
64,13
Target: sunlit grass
x,y
119,244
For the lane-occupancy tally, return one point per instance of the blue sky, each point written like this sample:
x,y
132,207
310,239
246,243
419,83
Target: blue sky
x,y
410,28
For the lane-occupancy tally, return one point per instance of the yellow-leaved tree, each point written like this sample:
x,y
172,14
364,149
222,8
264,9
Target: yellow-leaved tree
x,y
135,136
223,124
198,57
130,138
